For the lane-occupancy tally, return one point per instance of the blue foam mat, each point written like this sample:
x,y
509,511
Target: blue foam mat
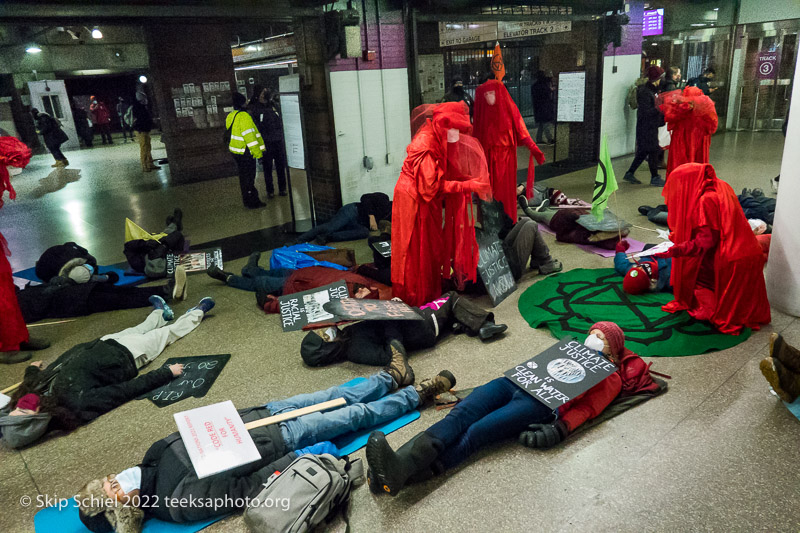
x,y
794,408
30,275
66,520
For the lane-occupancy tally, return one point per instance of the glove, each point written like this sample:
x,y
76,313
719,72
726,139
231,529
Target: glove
x,y
622,246
544,435
319,448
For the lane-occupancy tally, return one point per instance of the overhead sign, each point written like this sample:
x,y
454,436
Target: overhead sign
x,y
457,33
302,308
653,22
215,438
571,95
274,47
560,373
517,30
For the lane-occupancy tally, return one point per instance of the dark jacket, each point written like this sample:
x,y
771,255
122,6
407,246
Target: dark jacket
x,y
544,106
55,257
268,121
668,85
376,204
51,130
648,119
167,472
56,300
142,120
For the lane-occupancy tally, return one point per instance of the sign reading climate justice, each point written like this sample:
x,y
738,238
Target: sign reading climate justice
x,y
561,373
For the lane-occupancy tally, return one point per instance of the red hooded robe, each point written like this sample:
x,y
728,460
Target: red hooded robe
x,y
500,129
418,238
723,283
12,327
691,118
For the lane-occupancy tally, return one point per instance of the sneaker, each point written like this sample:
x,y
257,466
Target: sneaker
x,y
159,304
630,178
398,368
551,267
432,387
544,205
205,305
657,181
217,273
179,292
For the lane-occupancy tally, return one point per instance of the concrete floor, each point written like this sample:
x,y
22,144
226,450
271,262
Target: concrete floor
x,y
718,452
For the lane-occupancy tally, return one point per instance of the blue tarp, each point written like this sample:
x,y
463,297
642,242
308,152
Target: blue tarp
x,y
292,257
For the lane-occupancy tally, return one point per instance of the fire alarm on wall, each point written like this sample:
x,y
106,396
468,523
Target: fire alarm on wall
x,y
368,55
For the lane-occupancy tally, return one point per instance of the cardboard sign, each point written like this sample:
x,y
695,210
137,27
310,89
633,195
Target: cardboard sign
x,y
493,267
562,372
198,261
215,438
199,373
357,309
303,308
383,247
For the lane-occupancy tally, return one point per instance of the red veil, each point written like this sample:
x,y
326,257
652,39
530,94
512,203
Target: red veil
x,y
500,129
695,197
691,118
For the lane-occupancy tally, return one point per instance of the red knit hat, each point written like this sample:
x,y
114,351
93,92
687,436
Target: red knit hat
x,y
614,336
30,401
654,72
636,281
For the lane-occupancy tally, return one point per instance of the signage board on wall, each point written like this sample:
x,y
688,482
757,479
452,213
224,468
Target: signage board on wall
x,y
456,33
767,66
293,131
517,30
653,22
571,93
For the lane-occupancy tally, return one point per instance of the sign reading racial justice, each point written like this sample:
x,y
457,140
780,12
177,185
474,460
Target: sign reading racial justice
x,y
300,309
561,373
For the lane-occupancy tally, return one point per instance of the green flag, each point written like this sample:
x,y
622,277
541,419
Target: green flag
x,y
604,183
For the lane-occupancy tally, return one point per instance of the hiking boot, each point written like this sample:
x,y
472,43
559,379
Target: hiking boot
x,y
217,273
783,352
551,267
160,305
489,329
630,178
10,358
429,388
205,305
398,368
783,381
657,181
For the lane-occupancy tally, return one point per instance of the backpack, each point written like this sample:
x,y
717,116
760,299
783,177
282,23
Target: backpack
x,y
631,98
229,131
311,489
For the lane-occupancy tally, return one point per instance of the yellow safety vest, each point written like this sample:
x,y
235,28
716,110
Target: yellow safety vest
x,y
244,135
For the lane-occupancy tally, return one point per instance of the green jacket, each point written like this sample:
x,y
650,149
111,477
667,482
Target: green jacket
x,y
244,134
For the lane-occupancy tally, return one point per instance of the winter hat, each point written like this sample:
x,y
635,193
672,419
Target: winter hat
x,y
614,336
30,402
77,269
239,101
636,281
654,72
319,347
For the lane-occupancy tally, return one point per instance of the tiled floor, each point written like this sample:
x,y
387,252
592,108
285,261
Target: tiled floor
x,y
718,452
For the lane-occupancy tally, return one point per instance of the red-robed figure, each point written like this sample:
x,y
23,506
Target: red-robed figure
x,y
420,244
13,332
717,265
691,119
500,129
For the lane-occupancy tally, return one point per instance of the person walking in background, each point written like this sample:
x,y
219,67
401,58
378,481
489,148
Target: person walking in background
x,y
101,119
143,125
648,120
246,145
263,109
544,106
458,94
122,108
83,125
50,129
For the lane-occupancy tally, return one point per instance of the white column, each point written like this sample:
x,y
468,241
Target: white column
x,y
783,267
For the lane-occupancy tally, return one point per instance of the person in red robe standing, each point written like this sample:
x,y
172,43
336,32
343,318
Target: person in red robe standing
x,y
418,237
717,264
691,119
500,129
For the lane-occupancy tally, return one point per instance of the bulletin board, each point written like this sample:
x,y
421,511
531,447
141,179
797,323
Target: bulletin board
x,y
571,96
202,105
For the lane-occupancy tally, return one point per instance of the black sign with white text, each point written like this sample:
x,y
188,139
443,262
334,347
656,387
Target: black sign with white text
x,y
493,267
357,309
199,373
303,308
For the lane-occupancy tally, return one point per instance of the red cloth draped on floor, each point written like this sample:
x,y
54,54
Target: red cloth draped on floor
x,y
500,129
12,327
418,239
717,265
691,118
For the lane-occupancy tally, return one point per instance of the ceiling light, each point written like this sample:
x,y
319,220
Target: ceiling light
x,y
716,9
33,49
143,78
698,25
97,34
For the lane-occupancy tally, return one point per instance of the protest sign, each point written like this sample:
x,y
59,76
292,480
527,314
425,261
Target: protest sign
x,y
356,309
493,267
199,373
303,308
562,372
199,261
382,247
215,438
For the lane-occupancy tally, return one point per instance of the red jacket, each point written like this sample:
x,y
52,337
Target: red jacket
x,y
100,114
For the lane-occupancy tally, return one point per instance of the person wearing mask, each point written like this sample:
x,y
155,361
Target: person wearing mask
x,y
122,108
263,107
672,80
648,120
143,125
101,118
247,146
50,129
458,94
544,106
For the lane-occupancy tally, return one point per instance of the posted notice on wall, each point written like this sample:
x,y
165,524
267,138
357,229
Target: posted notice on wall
x,y
571,95
293,131
215,438
562,372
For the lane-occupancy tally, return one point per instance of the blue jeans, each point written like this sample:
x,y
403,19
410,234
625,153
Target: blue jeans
x,y
344,226
493,412
368,404
255,278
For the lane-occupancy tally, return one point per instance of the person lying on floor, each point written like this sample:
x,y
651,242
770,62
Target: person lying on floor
x,y
647,275
353,221
782,368
564,222
378,342
95,377
166,473
499,411
544,197
523,241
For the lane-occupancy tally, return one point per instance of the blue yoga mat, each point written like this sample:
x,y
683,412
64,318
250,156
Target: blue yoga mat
x,y
794,407
66,520
30,275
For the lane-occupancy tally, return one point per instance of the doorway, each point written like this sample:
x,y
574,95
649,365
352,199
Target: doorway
x,y
50,97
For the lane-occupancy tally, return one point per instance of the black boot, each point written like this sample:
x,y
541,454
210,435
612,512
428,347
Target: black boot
x,y
389,471
489,329
34,344
253,260
217,273
470,315
10,358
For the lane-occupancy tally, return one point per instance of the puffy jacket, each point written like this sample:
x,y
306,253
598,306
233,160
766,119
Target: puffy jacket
x,y
244,134
54,258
